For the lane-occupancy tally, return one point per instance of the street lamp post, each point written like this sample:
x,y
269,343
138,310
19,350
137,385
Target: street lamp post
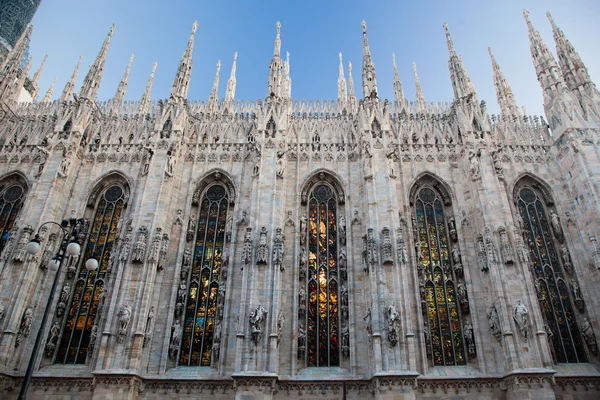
x,y
69,245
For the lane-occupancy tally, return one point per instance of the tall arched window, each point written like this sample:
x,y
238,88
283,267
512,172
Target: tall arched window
x,y
11,201
438,283
88,286
319,315
551,283
203,311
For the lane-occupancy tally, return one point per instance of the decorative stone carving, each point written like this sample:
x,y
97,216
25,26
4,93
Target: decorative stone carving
x,y
469,339
162,256
244,219
52,339
465,221
457,261
343,264
278,248
393,317
452,229
139,248
257,321
289,221
25,326
124,318
589,336
520,315
368,324
49,252
20,254
175,339
474,164
149,326
220,302
344,301
126,245
387,254
247,251
10,242
301,340
342,230
372,248
303,228
505,248
482,255
490,247
427,335
280,321
365,255
577,296
178,220
229,228
63,300
566,259
262,249
463,298
494,321
2,310
154,253
497,162
191,229
301,302
555,222
356,220
93,338
401,246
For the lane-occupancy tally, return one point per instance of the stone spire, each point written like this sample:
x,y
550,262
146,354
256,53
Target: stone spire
x,y
213,99
351,94
287,78
461,83
48,95
232,82
10,73
545,65
181,84
419,97
574,71
121,89
68,90
398,91
369,79
275,67
144,105
342,90
11,93
91,83
37,74
506,98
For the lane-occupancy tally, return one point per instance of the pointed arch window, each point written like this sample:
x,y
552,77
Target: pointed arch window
x,y
82,313
438,284
551,282
11,202
203,311
319,317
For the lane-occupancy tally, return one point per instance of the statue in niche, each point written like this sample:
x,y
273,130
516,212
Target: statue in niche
x,y
25,326
452,229
93,337
342,230
301,302
463,298
278,245
387,256
482,255
494,321
474,164
229,228
303,228
368,324
175,339
521,318
566,258
469,339
505,248
401,246
356,220
343,264
280,321
257,319
365,254
262,249
372,248
522,250
576,290
124,318
224,263
427,335
2,310
63,299
393,317
345,341
139,249
247,251
344,301
456,262
148,327
52,339
191,230
554,221
301,340
589,336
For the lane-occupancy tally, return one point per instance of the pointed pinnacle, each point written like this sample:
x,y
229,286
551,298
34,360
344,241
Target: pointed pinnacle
x,y
551,20
449,40
48,95
39,71
144,105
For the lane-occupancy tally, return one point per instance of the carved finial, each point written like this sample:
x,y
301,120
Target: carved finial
x,y
364,26
194,27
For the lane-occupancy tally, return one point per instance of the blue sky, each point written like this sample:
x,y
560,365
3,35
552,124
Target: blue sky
x,y
314,32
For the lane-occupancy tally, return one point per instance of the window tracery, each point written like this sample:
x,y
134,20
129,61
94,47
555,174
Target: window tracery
x,y
82,312
202,304
443,298
11,202
323,330
543,235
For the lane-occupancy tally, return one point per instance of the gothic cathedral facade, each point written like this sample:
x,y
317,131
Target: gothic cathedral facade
x,y
358,248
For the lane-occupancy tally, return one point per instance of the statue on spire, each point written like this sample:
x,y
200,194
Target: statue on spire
x,y
213,99
398,91
368,73
181,84
231,83
342,91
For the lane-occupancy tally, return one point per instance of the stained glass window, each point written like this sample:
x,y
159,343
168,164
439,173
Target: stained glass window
x,y
88,286
553,294
445,340
11,201
322,316
204,306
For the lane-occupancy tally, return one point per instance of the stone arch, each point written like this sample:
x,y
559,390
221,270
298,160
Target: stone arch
x,y
213,176
436,182
15,177
105,181
529,179
320,176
